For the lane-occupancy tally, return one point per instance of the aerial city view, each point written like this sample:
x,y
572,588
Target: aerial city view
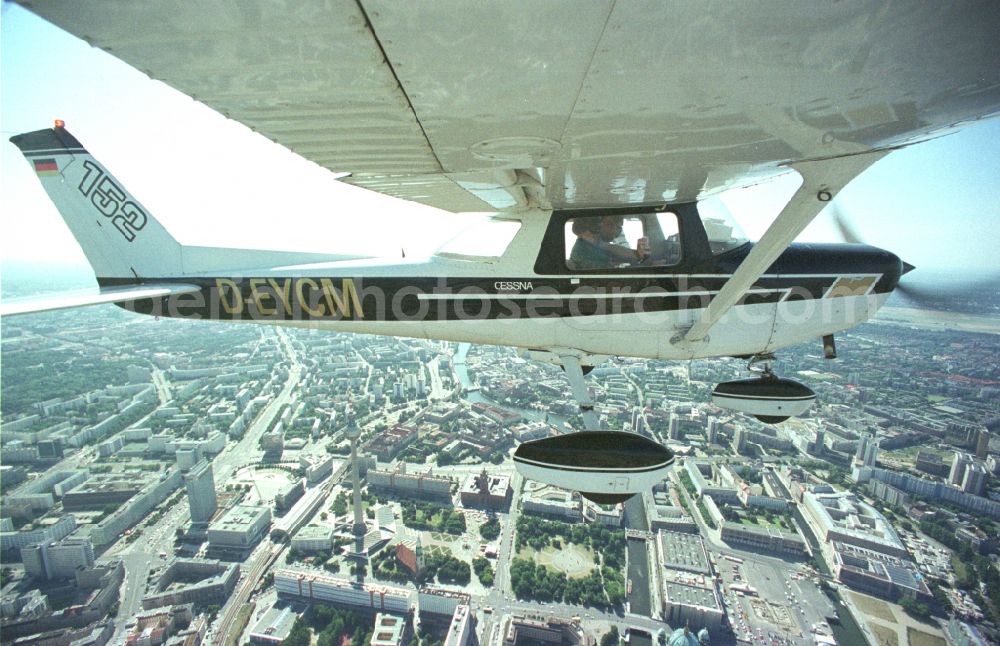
x,y
187,482
605,323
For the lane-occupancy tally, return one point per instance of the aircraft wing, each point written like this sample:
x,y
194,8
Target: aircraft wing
x,y
564,104
66,300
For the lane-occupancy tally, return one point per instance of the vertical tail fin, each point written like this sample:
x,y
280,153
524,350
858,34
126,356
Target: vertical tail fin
x,y
117,234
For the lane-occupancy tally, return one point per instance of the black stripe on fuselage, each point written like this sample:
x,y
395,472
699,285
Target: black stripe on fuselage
x,y
439,299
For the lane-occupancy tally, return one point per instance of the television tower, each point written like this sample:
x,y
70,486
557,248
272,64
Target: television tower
x,y
359,529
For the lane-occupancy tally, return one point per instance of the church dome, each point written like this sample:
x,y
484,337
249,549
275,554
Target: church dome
x,y
682,637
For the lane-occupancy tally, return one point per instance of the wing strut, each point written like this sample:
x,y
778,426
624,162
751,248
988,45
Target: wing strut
x,y
821,180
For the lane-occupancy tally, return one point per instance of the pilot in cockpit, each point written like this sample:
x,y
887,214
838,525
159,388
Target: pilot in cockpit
x,y
601,243
613,235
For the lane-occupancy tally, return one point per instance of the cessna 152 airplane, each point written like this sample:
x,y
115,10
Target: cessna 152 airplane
x,y
598,133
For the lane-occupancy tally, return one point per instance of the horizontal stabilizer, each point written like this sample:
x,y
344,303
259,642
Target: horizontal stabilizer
x,y
65,300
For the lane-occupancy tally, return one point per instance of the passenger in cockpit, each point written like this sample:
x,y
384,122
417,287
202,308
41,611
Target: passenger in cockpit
x,y
598,244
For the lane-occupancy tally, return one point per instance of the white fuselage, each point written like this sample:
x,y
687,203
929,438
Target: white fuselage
x,y
745,329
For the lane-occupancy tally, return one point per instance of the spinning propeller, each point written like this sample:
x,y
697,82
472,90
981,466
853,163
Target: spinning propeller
x,y
926,296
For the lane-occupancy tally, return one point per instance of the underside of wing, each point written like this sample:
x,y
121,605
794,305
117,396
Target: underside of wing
x,y
563,104
83,298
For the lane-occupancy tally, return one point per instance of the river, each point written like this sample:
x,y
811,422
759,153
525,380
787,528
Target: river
x,y
847,630
476,397
638,562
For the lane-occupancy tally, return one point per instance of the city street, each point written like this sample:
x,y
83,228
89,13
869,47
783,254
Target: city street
x,y
785,604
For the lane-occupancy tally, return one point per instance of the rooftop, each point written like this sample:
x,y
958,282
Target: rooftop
x,y
683,552
276,623
388,630
691,592
239,517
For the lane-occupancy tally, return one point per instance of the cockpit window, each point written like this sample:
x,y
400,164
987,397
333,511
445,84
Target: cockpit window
x,y
723,232
617,242
485,239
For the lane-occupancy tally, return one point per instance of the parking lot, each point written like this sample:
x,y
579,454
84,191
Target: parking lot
x,y
769,602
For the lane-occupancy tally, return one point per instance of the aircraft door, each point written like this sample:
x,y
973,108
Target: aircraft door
x,y
623,278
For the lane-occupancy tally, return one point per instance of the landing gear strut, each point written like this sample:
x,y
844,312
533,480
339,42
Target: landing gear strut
x,y
760,364
607,467
574,373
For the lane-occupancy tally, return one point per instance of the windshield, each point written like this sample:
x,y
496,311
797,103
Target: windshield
x,y
720,226
484,239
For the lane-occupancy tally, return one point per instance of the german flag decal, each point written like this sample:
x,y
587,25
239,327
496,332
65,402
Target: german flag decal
x,y
46,167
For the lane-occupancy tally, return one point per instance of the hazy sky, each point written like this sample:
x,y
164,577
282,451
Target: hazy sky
x,y
212,181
